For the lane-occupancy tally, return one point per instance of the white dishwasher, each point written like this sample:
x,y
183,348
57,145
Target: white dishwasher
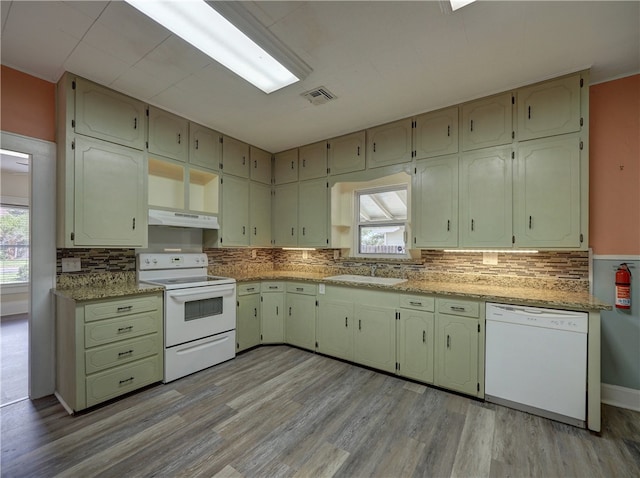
x,y
536,361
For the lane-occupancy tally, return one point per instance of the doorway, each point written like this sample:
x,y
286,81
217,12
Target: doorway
x,y
15,199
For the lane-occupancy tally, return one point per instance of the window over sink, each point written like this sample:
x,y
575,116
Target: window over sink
x,y
381,217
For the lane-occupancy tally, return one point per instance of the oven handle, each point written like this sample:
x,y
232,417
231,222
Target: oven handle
x,y
198,293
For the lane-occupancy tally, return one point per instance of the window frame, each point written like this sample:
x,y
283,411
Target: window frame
x,y
358,223
19,203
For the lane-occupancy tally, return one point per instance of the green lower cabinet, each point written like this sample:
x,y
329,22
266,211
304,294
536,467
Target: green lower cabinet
x,y
416,345
300,320
272,314
335,328
457,353
248,318
374,341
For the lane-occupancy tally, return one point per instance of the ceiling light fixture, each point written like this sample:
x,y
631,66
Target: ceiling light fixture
x,y
199,24
457,4
499,251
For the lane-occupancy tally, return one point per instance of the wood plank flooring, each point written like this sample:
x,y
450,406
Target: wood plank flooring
x,y
283,412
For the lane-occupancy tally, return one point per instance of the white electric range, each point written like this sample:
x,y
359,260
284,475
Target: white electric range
x,y
199,311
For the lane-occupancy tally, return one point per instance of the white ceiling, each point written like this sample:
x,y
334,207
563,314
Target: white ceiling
x,y
383,60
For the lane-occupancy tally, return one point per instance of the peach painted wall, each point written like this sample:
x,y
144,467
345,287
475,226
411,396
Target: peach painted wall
x,y
614,141
28,105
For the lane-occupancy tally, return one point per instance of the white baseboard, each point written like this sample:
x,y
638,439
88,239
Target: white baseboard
x,y
620,397
14,307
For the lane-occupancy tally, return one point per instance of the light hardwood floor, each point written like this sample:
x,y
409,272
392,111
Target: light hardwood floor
x,y
280,411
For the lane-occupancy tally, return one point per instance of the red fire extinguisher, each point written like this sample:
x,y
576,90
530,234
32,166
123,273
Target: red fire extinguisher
x,y
623,287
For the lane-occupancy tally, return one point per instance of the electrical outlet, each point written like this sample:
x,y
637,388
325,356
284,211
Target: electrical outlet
x,y
336,254
71,264
490,258
305,254
254,253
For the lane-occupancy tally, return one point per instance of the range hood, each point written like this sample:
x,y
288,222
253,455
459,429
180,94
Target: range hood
x,y
159,217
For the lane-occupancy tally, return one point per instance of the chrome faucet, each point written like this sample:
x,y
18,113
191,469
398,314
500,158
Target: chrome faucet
x,y
374,267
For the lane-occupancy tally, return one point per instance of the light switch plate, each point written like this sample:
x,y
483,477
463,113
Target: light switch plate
x,y
321,289
490,258
305,254
71,264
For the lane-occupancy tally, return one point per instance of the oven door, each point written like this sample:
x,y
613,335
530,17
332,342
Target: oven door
x,y
197,312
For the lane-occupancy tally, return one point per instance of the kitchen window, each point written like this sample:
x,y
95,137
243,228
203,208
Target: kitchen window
x,y
14,244
381,218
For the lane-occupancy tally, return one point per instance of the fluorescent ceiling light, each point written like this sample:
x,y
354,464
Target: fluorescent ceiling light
x,y
456,4
15,154
200,25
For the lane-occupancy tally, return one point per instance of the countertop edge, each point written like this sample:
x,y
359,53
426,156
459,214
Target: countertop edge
x,y
84,294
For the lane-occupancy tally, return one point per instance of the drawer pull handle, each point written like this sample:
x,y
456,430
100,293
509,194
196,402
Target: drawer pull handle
x,y
424,336
128,328
255,312
300,289
359,324
415,303
126,380
125,308
448,341
458,308
251,289
346,321
273,287
122,354
289,311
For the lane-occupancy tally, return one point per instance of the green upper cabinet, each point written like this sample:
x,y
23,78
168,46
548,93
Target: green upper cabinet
x,y
549,108
486,198
259,214
416,345
487,122
105,114
547,193
260,164
285,167
313,213
234,222
285,215
168,134
436,133
110,206
347,153
205,147
235,157
389,144
435,202
313,161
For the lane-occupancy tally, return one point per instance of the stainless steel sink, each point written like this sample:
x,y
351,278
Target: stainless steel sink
x,y
367,279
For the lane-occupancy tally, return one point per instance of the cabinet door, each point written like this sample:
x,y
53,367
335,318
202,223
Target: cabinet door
x,y
285,215
457,353
346,153
259,214
234,223
235,157
435,202
285,167
313,161
547,193
416,343
389,144
300,321
549,108
260,165
272,318
248,322
104,114
436,133
110,196
487,122
335,328
374,342
168,134
205,147
313,213
485,198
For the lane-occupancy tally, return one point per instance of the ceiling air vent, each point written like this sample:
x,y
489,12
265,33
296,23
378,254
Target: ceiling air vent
x,y
318,96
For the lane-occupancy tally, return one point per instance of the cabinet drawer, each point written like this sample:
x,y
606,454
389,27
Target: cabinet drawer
x,y
115,308
247,289
113,382
417,302
272,287
111,330
122,352
465,308
307,289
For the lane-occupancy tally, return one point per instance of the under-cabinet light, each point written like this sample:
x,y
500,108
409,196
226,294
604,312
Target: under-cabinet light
x,y
298,248
203,27
499,251
456,4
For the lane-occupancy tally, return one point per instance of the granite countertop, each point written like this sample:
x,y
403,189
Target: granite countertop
x,y
102,286
540,297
